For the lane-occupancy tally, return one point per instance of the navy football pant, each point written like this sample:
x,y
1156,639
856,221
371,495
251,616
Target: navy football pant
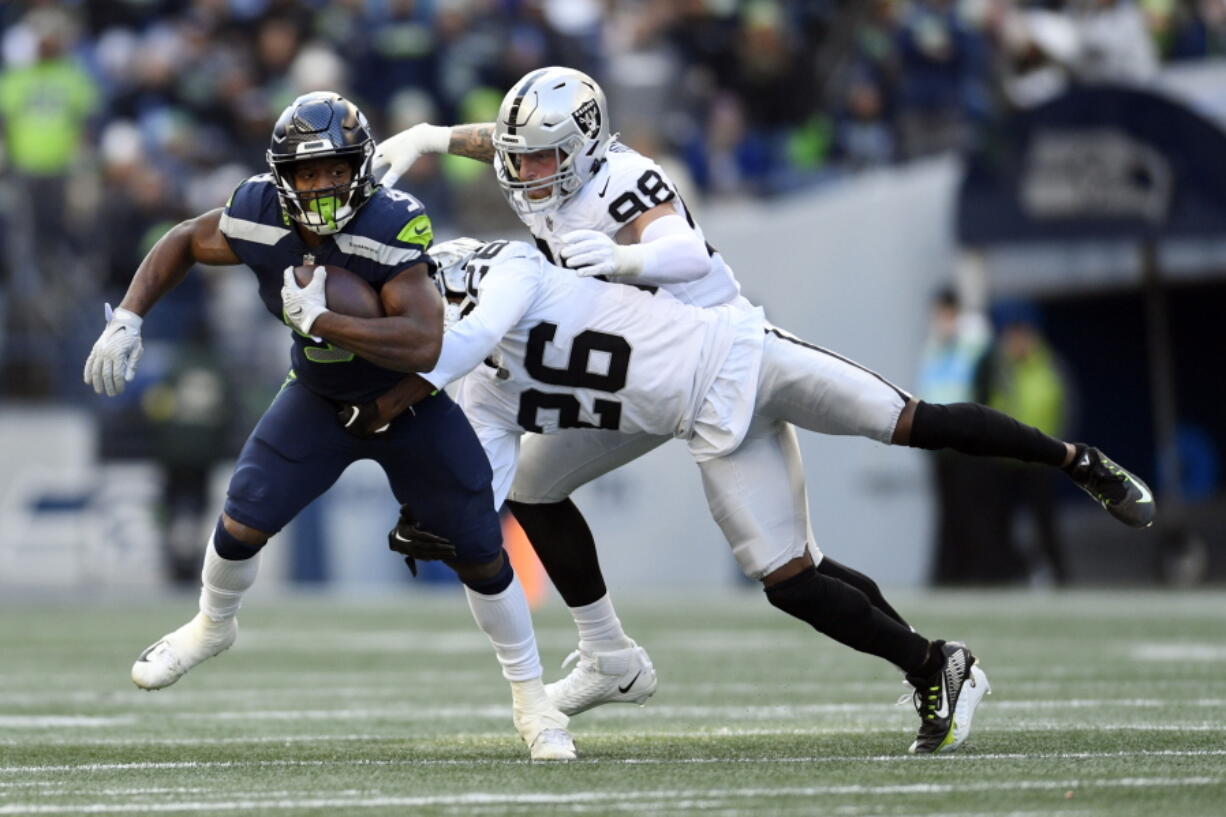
x,y
432,459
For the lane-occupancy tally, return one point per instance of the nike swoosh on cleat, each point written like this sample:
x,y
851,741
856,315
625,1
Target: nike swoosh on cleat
x,y
1146,496
626,688
943,710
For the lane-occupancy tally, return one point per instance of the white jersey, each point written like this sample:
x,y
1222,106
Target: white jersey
x,y
627,185
576,352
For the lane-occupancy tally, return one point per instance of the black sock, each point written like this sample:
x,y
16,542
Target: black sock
x,y
836,570
932,663
983,432
837,609
561,538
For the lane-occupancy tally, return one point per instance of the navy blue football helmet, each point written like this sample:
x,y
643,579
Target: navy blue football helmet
x,y
320,125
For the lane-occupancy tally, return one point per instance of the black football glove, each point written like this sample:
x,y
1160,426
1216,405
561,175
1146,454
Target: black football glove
x,y
414,543
357,419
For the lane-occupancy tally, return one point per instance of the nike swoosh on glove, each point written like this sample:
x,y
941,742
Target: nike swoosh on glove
x,y
111,364
302,305
359,418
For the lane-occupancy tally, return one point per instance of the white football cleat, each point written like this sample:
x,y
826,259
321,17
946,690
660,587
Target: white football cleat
x,y
553,744
617,676
544,730
167,660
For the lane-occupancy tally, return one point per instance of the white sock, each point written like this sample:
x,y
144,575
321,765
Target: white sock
x,y
504,617
599,628
224,583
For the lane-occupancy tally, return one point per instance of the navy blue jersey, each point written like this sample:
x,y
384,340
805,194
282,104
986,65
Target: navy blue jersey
x,y
389,233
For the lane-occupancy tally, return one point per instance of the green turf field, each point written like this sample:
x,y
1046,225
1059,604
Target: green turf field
x,y
1103,704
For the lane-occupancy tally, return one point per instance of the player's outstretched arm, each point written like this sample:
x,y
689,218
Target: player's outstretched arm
x,y
399,152
112,361
408,339
658,247
196,241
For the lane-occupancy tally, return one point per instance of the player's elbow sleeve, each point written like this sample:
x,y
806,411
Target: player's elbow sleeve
x,y
674,259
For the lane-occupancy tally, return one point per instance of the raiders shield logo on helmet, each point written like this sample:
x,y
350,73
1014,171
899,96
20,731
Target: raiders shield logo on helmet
x,y
588,118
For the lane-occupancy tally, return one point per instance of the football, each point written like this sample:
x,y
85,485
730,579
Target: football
x,y
346,292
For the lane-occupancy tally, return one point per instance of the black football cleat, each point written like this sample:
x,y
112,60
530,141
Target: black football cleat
x,y
1122,493
946,701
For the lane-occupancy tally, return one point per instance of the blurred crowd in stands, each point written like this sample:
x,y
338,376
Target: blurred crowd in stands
x,y
120,117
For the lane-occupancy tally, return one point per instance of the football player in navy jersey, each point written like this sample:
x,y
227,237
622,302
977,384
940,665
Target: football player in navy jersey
x,y
320,205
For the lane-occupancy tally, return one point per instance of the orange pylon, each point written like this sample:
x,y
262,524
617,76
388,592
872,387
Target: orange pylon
x,y
524,562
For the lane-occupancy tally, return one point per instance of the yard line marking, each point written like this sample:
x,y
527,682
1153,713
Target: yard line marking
x,y
964,757
64,721
608,797
861,725
730,712
182,696
1195,651
191,741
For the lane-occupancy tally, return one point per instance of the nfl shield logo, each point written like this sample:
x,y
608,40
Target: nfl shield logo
x,y
588,118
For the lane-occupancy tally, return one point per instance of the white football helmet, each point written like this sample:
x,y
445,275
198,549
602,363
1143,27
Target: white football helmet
x,y
457,284
557,109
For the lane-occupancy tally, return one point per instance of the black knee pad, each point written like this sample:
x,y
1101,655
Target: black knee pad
x,y
229,547
495,584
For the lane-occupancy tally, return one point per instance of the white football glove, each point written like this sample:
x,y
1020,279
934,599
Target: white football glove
x,y
399,152
111,364
302,305
591,252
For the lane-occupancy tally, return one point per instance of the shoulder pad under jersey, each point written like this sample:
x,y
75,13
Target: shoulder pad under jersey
x,y
629,185
253,212
391,229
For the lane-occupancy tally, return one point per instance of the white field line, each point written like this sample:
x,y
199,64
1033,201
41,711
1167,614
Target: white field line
x,y
706,797
396,690
416,714
64,721
963,757
734,713
458,642
284,739
703,733
1192,651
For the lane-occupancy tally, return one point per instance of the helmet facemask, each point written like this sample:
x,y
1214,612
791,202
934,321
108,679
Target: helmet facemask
x,y
561,184
325,210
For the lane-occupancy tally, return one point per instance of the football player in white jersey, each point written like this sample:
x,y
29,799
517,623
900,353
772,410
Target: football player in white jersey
x,y
564,352
602,209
